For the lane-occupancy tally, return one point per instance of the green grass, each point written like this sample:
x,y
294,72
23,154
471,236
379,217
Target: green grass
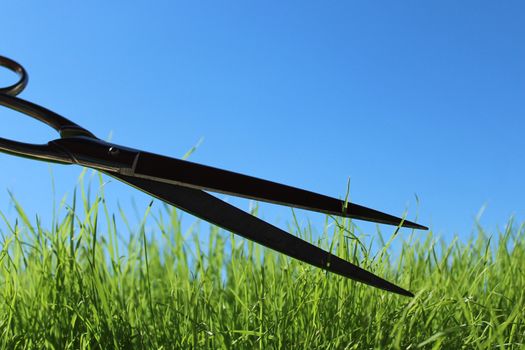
x,y
86,283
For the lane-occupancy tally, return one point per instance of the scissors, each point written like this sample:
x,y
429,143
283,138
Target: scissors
x,y
183,184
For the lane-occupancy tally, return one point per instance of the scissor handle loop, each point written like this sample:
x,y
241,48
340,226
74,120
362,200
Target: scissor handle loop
x,y
64,126
8,99
17,68
46,152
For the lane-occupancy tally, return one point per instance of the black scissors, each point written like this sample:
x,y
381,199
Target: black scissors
x,y
183,185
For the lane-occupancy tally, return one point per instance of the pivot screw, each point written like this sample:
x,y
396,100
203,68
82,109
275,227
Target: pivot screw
x,y
113,151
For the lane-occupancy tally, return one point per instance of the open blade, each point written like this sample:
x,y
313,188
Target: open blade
x,y
222,214
188,174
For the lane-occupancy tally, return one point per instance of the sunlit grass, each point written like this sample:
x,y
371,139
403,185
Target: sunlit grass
x,y
86,283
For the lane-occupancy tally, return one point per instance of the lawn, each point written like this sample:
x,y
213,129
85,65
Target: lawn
x,y
87,282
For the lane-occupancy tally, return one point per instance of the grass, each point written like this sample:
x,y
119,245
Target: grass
x,y
86,283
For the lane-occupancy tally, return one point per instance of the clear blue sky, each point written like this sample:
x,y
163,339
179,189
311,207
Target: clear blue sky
x,y
404,98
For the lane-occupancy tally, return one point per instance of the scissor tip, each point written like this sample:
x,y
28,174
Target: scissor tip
x,y
409,294
411,224
398,290
401,291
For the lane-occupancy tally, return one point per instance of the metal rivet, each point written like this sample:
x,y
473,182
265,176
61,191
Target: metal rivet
x,y
113,151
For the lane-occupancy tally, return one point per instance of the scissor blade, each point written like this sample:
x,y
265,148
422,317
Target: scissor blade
x,y
188,174
222,214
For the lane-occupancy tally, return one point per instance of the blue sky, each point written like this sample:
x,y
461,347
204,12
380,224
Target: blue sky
x,y
405,98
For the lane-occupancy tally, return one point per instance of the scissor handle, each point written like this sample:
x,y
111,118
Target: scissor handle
x,y
64,126
17,68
